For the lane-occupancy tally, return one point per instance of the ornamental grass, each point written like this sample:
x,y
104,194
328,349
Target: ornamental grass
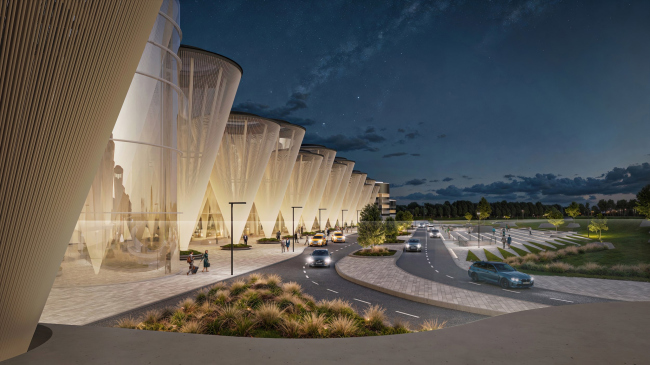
x,y
263,306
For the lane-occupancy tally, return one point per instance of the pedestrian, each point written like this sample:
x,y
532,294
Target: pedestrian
x,y
295,237
190,260
277,235
503,240
287,244
246,239
503,232
494,231
530,231
206,262
282,245
509,241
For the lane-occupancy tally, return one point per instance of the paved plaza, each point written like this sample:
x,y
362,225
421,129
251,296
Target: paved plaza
x,y
83,305
382,274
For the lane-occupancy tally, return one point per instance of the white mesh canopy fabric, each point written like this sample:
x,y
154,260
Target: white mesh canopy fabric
x,y
335,212
373,195
238,169
310,209
277,174
331,190
366,191
349,202
302,179
210,83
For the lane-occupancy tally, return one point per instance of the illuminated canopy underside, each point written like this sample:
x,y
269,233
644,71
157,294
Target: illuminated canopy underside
x,y
331,190
334,213
302,180
309,212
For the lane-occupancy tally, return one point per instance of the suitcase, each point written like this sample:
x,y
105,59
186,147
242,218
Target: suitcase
x,y
194,269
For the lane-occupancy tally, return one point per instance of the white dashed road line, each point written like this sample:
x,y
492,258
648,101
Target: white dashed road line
x,y
406,314
562,300
362,301
437,271
473,283
314,282
333,291
304,271
512,291
451,277
307,276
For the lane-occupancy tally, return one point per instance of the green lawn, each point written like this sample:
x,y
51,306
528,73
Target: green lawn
x,y
519,251
505,253
540,246
492,257
532,249
471,256
557,246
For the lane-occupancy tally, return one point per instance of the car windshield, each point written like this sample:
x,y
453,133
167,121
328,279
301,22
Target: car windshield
x,y
414,241
318,236
435,231
504,267
338,234
319,253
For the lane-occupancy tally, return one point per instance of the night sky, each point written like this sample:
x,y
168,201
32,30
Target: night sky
x,y
448,100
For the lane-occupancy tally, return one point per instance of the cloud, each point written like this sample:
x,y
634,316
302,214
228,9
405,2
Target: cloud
x,y
297,101
509,176
440,136
415,154
341,142
435,180
416,182
411,135
466,177
400,130
447,179
396,154
370,135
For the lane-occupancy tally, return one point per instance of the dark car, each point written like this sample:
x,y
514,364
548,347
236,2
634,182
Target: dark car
x,y
500,273
413,244
320,257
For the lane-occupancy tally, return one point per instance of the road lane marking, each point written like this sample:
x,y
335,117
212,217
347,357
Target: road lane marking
x,y
406,314
362,301
314,282
451,277
333,291
512,291
307,276
436,270
562,300
473,283
452,253
304,271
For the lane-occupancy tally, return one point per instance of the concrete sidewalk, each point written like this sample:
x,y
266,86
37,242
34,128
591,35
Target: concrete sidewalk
x,y
382,274
83,305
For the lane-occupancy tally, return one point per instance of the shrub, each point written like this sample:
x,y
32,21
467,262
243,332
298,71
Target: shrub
x,y
178,318
253,278
375,317
251,298
571,250
215,288
546,256
237,287
167,312
222,297
309,300
201,296
592,268
400,326
152,316
290,327
260,284
343,326
312,325
243,326
188,305
432,325
228,315
127,322
268,315
559,267
292,287
273,280
192,327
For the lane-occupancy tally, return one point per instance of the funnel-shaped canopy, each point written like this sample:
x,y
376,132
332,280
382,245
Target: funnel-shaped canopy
x,y
310,210
331,190
302,179
210,83
373,195
335,212
243,155
277,174
351,195
364,197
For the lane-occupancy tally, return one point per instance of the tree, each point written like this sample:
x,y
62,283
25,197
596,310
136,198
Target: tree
x,y
468,216
484,209
390,229
573,210
404,220
643,201
598,224
371,227
554,217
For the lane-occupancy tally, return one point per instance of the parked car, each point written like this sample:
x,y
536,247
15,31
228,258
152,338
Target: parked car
x,y
320,257
500,273
319,239
413,244
338,236
434,233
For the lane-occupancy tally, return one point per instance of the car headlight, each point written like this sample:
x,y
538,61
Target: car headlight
x,y
310,259
419,245
514,279
532,279
406,245
327,260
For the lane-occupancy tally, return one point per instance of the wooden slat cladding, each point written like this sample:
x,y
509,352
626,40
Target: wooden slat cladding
x,y
65,68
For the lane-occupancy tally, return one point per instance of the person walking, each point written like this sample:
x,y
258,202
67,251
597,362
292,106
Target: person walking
x,y
288,243
503,240
190,260
246,239
509,241
277,235
206,262
530,231
282,245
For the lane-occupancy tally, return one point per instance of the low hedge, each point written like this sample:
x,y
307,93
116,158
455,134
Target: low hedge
x,y
237,245
370,252
272,239
194,252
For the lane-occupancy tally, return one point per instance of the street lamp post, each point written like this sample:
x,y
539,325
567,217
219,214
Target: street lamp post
x,y
478,215
342,210
232,244
319,221
293,227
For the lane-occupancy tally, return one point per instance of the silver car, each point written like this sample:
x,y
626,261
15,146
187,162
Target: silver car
x,y
434,233
413,244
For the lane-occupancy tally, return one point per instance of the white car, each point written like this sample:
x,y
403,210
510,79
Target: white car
x,y
434,233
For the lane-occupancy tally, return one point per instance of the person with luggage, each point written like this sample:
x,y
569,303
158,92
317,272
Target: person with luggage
x,y
509,241
190,260
206,262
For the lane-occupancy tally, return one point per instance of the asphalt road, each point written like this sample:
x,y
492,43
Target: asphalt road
x,y
435,263
325,283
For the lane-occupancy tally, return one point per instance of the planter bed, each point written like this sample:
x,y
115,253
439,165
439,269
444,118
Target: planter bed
x,y
374,254
237,247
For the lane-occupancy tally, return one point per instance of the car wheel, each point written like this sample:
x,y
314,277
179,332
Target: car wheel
x,y
474,277
504,283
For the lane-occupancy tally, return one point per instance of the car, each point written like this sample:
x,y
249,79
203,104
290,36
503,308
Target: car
x,y
319,239
320,257
500,273
338,236
434,233
413,244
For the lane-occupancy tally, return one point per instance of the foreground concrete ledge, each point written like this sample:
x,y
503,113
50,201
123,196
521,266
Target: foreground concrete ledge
x,y
598,333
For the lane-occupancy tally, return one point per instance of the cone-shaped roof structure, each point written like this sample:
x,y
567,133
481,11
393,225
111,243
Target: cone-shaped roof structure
x,y
349,204
310,210
335,212
366,191
304,174
354,199
331,190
